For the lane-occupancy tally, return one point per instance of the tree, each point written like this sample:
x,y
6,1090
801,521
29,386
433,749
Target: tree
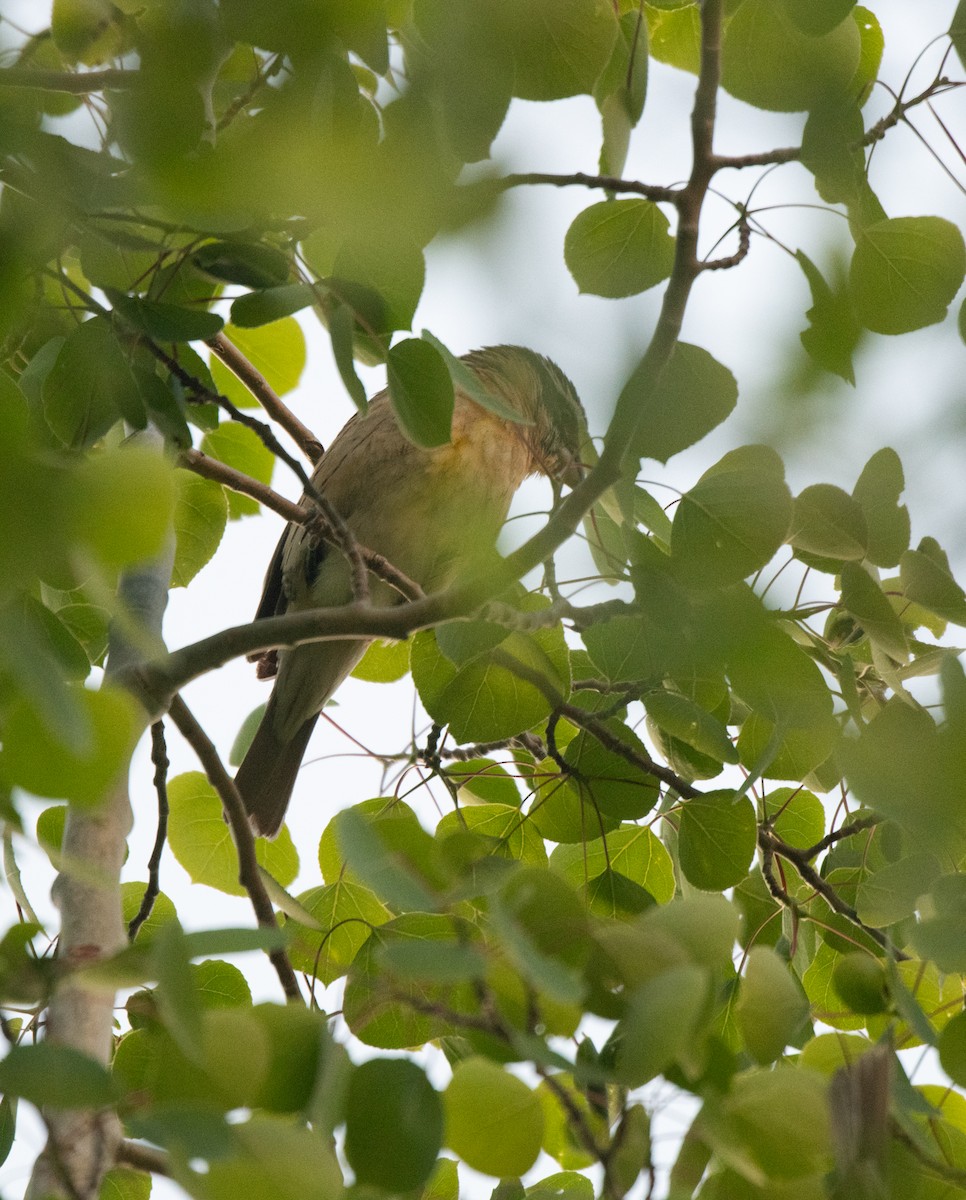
x,y
697,828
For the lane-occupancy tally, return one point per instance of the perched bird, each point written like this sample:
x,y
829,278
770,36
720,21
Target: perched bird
x,y
430,512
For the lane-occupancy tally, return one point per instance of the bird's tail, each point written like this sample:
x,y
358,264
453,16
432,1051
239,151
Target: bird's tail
x,y
267,774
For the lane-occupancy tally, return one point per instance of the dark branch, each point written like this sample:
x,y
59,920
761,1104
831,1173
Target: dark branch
x,y
159,756
266,396
248,871
609,183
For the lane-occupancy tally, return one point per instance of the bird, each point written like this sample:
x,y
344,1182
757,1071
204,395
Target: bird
x,y
431,512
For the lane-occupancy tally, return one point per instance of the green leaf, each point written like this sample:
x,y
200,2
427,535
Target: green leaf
x,y
298,1049
621,89
734,518
559,47
771,1007
8,1126
200,517
58,1076
265,307
619,248
833,332
770,63
35,758
122,505
485,780
780,1119
927,580
470,68
675,34
373,861
201,841
85,30
512,834
564,1185
832,149
606,780
394,1124
905,272
433,962
124,1183
88,386
621,649
383,662
176,993
421,392
694,394
251,264
717,839
341,326
870,56
877,492
633,851
277,351
661,1023
683,719
376,1005
466,380
240,447
957,31
484,700
270,1159
542,927
863,599
890,894
165,322
952,1049
493,1120
906,768
797,816
827,521
220,984
345,913
816,17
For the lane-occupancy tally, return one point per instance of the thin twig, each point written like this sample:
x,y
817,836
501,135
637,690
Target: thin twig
x,y
609,183
732,260
248,872
226,350
262,76
159,756
770,843
587,721
11,871
844,831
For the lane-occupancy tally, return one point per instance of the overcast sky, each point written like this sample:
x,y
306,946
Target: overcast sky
x,y
507,283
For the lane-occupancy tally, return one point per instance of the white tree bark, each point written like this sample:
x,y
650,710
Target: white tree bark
x,y
82,1145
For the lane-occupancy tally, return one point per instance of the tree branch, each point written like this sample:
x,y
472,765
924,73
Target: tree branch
x,y
82,1143
248,871
143,1158
212,468
78,82
262,390
771,845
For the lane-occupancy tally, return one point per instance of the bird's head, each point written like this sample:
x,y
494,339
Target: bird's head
x,y
539,391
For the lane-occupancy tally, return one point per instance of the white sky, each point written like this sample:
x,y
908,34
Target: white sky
x,y
507,283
